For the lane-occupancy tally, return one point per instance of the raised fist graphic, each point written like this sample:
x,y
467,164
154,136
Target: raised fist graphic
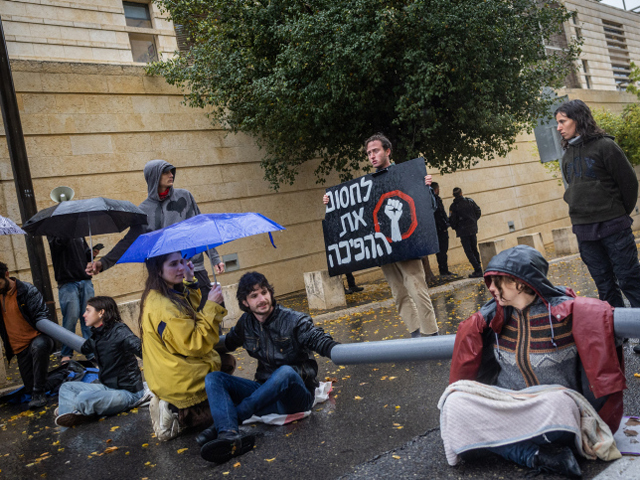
x,y
393,210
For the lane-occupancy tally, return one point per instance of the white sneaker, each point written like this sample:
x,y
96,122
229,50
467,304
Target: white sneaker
x,y
165,422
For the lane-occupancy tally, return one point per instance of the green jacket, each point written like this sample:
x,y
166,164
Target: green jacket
x,y
602,184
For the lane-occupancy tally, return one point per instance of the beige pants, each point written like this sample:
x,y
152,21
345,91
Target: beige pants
x,y
411,294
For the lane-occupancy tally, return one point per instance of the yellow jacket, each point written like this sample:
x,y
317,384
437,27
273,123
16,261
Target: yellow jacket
x,y
177,351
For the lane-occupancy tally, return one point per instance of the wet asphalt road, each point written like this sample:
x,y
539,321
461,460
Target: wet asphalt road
x,y
380,422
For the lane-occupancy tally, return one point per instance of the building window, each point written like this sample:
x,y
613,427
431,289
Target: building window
x,y
585,72
618,53
143,45
137,15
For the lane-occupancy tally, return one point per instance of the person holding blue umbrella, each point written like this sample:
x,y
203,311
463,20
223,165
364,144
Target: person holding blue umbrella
x,y
178,341
165,205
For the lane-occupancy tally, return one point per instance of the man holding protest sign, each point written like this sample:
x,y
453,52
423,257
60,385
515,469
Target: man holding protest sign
x,y
406,277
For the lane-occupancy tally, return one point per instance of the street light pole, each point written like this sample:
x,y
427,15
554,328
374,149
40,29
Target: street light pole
x,y
22,176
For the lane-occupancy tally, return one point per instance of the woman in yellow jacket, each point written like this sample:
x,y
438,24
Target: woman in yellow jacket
x,y
178,344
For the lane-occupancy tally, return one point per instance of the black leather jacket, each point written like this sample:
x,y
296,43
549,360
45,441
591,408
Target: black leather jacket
x,y
32,307
287,337
116,349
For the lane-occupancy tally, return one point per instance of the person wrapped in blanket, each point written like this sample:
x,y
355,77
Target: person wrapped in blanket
x,y
535,370
115,349
178,343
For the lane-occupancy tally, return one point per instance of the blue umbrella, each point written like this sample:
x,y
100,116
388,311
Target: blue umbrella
x,y
198,234
8,227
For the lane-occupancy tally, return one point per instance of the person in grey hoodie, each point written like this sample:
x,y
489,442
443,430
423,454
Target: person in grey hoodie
x,y
164,206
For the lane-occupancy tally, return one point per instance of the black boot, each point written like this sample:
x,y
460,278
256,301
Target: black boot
x,y
552,459
207,435
227,446
351,281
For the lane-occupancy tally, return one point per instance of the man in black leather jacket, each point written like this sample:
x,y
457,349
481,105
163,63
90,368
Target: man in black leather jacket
x,y
23,307
282,340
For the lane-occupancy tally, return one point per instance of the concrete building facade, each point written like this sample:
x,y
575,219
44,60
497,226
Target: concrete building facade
x,y
92,119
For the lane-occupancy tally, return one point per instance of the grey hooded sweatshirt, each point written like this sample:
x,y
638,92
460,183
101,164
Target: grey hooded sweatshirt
x,y
179,205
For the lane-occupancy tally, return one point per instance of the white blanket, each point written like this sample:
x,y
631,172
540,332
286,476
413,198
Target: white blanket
x,y
321,395
474,415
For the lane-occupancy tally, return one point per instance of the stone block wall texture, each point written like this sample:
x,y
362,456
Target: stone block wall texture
x,y
93,127
590,15
78,30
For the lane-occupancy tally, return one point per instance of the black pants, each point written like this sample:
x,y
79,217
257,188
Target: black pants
x,y
33,363
205,286
351,280
470,246
441,256
613,263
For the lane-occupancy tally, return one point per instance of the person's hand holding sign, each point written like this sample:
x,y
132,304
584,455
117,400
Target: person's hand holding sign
x,y
393,210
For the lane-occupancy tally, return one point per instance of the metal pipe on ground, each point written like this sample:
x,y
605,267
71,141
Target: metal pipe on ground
x,y
61,334
626,323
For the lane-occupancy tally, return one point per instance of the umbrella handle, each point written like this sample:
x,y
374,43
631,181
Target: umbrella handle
x,y
213,269
90,239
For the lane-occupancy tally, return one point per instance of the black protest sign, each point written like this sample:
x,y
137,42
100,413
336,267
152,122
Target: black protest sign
x,y
383,217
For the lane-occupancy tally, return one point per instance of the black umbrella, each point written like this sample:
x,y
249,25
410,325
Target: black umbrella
x,y
79,218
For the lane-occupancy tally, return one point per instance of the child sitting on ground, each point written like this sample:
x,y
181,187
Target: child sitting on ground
x,y
115,348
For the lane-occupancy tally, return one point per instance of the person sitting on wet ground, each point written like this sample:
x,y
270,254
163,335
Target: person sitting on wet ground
x,y
536,368
178,343
282,340
115,348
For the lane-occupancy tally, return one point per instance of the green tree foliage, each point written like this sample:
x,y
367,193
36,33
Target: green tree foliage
x,y
452,80
625,127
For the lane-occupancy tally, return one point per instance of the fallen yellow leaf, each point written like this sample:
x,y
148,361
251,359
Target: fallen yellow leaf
x,y
181,450
397,457
236,465
270,459
145,445
113,429
110,449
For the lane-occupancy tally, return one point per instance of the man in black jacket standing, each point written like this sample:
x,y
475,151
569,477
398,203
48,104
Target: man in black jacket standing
x,y
442,228
602,191
70,257
463,217
282,340
23,307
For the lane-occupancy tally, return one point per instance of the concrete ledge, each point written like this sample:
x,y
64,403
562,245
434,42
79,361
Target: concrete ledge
x,y
564,241
534,240
324,292
231,304
490,249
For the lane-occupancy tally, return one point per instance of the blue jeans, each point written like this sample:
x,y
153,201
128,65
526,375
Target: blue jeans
x,y
523,453
233,400
95,399
613,263
73,298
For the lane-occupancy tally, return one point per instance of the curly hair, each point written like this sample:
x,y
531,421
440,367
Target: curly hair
x,y
248,283
579,112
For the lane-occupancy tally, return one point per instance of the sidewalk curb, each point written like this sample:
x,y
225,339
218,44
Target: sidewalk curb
x,y
625,467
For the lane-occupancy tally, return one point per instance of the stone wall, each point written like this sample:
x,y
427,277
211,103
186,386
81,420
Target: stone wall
x,y
93,127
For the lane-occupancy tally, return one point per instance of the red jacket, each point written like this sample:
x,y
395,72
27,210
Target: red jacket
x,y
592,332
